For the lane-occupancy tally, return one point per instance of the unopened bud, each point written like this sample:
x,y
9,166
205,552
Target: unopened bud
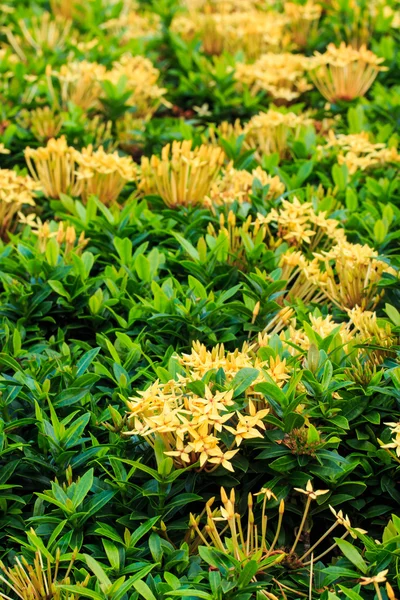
x,y
256,310
390,592
224,496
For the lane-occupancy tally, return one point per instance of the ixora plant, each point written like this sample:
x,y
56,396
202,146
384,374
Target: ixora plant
x,y
199,300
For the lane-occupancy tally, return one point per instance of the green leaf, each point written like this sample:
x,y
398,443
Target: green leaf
x,y
97,570
247,573
112,553
78,590
194,593
352,554
142,530
393,314
352,594
86,360
243,379
190,249
10,363
142,266
58,287
82,488
143,589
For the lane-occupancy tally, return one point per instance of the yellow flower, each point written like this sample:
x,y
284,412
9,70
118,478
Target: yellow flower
x,y
270,131
253,32
54,167
344,73
345,522
281,75
358,152
310,492
16,191
223,459
379,578
303,20
351,275
103,174
182,177
237,185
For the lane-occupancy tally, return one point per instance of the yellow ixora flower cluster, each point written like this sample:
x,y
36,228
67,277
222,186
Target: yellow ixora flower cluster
x,y
303,21
61,169
234,185
42,578
300,226
358,152
248,537
81,83
44,32
182,176
222,6
346,274
252,32
270,132
364,339
44,123
16,191
344,73
133,25
231,241
190,425
349,275
103,174
266,133
281,75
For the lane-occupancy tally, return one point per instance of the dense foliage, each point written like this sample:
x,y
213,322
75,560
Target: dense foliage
x,y
199,372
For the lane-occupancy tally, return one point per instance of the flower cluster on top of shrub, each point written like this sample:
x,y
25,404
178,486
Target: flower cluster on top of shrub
x,y
199,299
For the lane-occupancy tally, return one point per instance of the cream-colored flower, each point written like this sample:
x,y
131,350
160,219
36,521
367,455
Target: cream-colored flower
x,y
344,72
310,492
379,578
